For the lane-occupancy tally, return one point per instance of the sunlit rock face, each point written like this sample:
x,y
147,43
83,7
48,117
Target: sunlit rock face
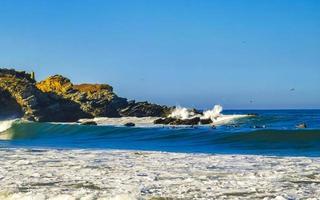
x,y
58,99
93,99
23,95
56,84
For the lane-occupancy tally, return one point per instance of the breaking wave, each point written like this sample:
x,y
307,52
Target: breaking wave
x,y
6,124
195,140
214,114
271,132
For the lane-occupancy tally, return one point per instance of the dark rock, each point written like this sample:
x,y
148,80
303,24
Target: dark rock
x,y
131,102
129,124
173,121
205,121
9,106
11,73
99,100
56,99
192,121
145,109
167,120
94,99
91,123
112,108
35,104
159,121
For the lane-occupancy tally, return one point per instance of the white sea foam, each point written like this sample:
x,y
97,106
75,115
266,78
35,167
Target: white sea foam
x,y
218,118
179,113
138,121
6,124
226,119
87,174
215,115
182,113
185,113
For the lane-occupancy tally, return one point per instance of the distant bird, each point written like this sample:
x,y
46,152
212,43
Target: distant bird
x,y
292,89
251,101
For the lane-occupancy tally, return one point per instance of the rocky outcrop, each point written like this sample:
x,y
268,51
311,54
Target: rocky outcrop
x,y
164,121
142,109
175,121
99,100
9,106
205,121
94,99
58,99
34,104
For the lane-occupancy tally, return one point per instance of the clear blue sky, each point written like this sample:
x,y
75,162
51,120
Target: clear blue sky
x,y
192,53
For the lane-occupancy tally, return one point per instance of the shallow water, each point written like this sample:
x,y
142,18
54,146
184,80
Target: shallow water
x,y
132,175
280,137
58,161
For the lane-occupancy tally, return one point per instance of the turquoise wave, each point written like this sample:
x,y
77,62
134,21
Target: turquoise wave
x,y
224,139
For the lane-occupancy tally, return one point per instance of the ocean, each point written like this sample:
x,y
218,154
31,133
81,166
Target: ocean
x,y
272,132
264,157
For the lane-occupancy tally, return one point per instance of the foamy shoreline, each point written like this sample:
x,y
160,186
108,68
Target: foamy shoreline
x,y
113,174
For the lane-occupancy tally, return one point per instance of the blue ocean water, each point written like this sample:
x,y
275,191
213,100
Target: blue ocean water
x,y
279,137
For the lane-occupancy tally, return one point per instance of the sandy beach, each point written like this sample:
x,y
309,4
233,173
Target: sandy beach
x,y
108,174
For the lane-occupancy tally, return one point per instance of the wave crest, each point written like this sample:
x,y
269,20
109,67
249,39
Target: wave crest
x,y
215,114
6,124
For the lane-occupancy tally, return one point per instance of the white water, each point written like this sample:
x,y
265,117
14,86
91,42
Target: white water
x,y
182,113
226,119
218,118
86,174
138,121
215,115
179,113
6,124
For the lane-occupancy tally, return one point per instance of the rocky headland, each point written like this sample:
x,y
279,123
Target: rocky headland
x,y
57,99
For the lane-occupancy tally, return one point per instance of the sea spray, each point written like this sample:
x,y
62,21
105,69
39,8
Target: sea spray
x,y
214,113
185,113
280,137
182,113
120,121
6,124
